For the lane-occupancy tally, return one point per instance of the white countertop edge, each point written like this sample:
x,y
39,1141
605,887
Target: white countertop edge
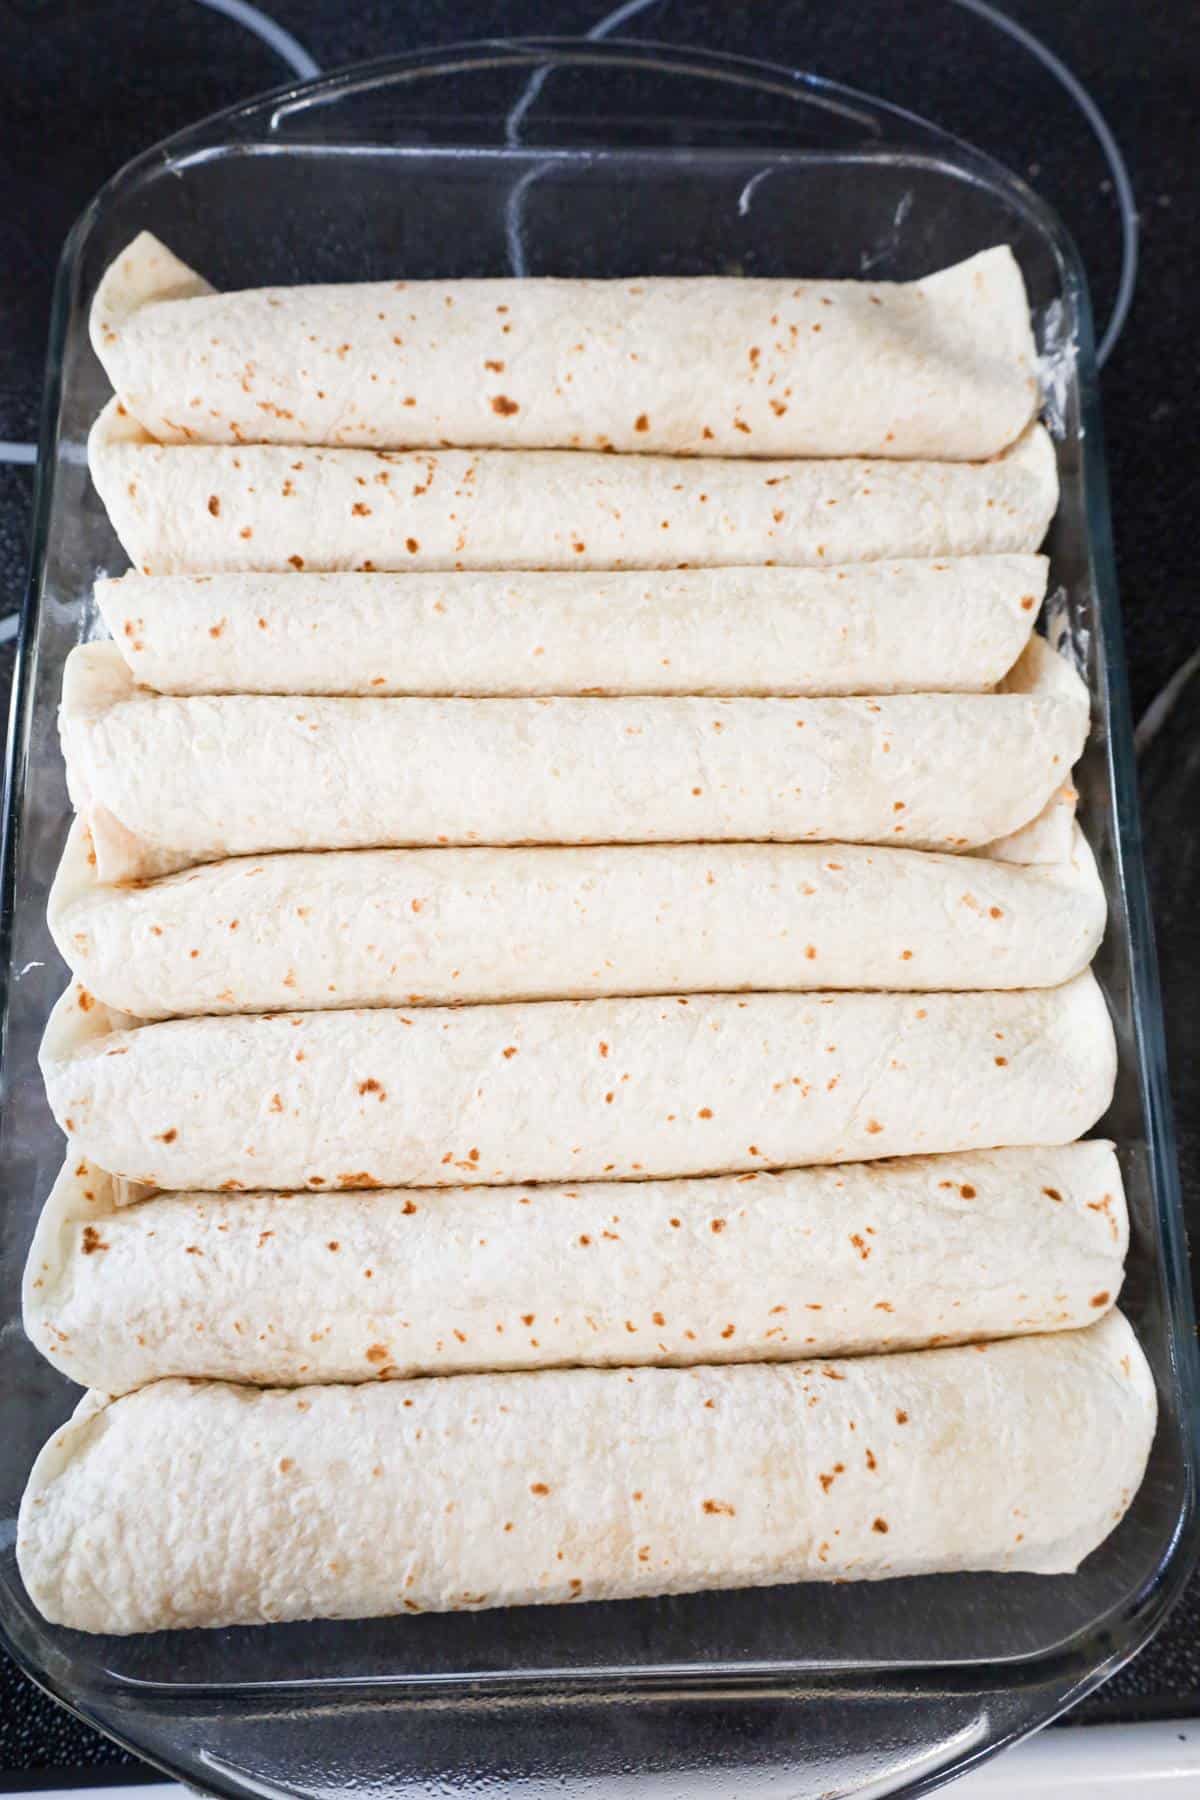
x,y
1110,1762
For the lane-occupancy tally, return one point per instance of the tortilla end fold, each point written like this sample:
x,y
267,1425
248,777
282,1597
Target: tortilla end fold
x,y
146,271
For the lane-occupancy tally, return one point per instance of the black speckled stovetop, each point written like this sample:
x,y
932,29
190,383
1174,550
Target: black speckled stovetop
x,y
86,84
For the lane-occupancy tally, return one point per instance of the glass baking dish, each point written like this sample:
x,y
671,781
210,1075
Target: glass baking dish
x,y
646,161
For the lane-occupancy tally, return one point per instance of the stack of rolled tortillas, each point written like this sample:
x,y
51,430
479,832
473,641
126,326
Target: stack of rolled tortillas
x,y
581,1033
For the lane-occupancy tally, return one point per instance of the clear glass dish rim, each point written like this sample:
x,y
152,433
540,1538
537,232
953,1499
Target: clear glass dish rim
x,y
249,127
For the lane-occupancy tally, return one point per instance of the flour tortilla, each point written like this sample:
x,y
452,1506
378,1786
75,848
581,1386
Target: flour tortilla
x,y
1050,836
574,1090
942,367
1042,669
299,1288
871,628
167,782
397,927
220,510
177,1506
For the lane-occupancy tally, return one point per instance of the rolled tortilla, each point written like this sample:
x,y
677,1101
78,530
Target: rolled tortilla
x,y
167,782
574,1090
292,1288
941,367
219,510
871,628
178,1505
1050,836
1042,669
403,927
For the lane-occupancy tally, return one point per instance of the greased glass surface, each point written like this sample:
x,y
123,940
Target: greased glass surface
x,y
656,163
